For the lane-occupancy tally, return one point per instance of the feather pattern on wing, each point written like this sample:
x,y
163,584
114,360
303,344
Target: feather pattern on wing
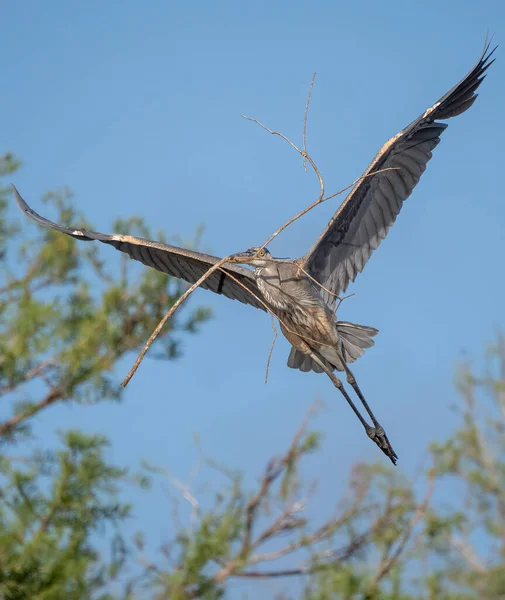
x,y
178,262
370,209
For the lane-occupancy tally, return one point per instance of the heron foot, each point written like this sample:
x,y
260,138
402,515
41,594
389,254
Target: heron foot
x,y
378,435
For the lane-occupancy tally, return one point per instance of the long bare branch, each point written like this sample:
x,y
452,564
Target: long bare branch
x,y
269,309
466,551
36,371
387,563
305,156
313,279
167,316
273,471
54,395
321,198
274,328
305,120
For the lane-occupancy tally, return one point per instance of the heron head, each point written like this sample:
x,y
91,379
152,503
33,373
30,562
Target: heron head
x,y
256,256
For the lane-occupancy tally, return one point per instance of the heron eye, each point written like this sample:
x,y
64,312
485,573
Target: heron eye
x,y
261,253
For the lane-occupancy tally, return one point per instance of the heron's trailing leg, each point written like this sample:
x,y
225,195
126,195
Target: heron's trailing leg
x,y
376,433
379,430
340,386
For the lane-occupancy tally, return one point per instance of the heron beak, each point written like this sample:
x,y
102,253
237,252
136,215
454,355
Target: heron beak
x,y
242,257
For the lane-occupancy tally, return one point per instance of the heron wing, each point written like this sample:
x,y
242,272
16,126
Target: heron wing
x,y
178,262
364,218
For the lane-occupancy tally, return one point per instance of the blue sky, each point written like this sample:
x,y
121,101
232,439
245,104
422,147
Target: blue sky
x,y
136,107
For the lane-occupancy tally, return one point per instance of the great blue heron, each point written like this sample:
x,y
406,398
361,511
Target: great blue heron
x,y
320,342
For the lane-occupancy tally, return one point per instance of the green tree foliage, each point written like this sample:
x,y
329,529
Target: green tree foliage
x,y
469,537
51,504
249,533
66,319
458,552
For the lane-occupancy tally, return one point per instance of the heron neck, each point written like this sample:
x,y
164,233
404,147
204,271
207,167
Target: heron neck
x,y
269,270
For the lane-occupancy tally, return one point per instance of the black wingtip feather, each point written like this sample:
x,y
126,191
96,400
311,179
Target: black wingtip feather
x,y
463,95
34,216
21,203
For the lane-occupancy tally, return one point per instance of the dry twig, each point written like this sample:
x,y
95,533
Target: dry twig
x,y
321,198
305,120
340,300
167,316
273,471
466,552
243,562
271,347
389,560
313,279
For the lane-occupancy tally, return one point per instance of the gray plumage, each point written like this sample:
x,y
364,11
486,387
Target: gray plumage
x,y
305,310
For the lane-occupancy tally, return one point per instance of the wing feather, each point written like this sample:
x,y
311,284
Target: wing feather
x,y
371,208
177,262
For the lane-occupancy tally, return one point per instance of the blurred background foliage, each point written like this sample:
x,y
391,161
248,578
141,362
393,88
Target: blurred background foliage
x,y
67,317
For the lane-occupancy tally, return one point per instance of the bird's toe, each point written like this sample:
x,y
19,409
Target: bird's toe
x,y
378,435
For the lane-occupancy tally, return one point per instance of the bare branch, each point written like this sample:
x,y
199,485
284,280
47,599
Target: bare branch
x,y
186,493
468,554
305,155
167,316
53,396
325,531
37,371
305,121
313,279
216,266
322,199
340,300
271,347
268,309
387,563
292,144
273,471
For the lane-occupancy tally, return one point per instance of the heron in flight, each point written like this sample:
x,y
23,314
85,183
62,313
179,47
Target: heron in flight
x,y
307,311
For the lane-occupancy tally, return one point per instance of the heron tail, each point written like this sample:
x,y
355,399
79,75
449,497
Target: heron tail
x,y
355,339
299,360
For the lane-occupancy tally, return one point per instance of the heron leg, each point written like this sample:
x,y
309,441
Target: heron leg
x,y
376,434
379,430
340,386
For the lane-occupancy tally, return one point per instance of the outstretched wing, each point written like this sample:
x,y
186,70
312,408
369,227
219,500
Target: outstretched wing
x,y
365,216
178,262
